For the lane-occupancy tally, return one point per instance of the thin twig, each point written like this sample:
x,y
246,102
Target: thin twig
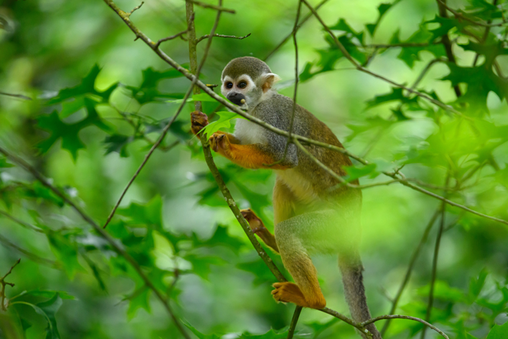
x,y
384,317
217,8
435,259
136,8
147,157
113,243
20,222
347,320
485,36
206,36
29,255
294,321
412,262
462,16
400,44
295,91
447,43
298,309
287,37
3,283
171,37
364,70
21,96
260,122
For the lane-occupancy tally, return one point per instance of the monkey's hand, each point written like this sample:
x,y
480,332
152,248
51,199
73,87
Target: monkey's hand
x,y
257,226
220,142
199,120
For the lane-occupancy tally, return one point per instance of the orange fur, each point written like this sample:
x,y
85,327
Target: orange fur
x,y
248,156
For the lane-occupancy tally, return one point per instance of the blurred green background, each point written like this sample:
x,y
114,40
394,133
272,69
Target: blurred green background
x,y
173,216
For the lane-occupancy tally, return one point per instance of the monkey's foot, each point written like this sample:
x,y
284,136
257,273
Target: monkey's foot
x,y
199,120
256,225
220,143
289,292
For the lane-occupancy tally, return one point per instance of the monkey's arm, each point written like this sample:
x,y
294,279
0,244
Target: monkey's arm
x,y
248,156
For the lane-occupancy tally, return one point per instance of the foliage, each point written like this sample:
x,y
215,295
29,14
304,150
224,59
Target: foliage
x,y
99,103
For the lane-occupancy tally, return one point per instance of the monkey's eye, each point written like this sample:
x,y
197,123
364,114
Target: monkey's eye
x,y
229,84
242,84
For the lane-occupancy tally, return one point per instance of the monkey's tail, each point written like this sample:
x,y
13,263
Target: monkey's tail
x,y
354,291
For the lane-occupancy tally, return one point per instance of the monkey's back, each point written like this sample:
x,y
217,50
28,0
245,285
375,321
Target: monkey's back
x,y
307,125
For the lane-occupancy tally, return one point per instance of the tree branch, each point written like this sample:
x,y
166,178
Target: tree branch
x,y
435,258
412,262
462,16
113,243
3,283
206,36
383,317
21,96
364,70
217,8
287,37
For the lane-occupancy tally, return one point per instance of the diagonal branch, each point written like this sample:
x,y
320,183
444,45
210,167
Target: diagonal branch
x,y
474,22
260,122
206,36
412,262
287,37
113,243
365,70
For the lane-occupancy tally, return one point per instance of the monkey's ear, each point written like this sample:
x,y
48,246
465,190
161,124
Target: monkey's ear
x,y
268,80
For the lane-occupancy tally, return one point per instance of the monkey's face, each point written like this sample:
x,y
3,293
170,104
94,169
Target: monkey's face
x,y
241,91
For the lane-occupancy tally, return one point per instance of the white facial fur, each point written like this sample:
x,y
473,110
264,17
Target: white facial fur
x,y
250,86
253,93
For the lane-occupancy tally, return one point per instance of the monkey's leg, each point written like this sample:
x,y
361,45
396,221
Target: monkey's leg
x,y
283,202
296,238
259,228
248,156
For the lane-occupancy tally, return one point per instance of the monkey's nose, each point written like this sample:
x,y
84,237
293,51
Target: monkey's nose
x,y
236,98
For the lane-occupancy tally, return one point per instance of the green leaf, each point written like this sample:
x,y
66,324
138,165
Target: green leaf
x,y
201,265
221,237
476,283
118,143
69,133
149,214
199,334
4,163
224,122
65,249
138,299
498,332
147,91
443,291
481,81
355,172
382,9
45,294
85,89
342,25
271,334
396,94
47,309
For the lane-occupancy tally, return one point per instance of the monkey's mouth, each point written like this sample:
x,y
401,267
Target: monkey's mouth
x,y
236,98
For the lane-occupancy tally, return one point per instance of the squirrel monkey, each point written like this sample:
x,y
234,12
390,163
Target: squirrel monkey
x,y
309,217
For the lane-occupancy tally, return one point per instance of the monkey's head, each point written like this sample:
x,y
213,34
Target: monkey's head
x,y
246,80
